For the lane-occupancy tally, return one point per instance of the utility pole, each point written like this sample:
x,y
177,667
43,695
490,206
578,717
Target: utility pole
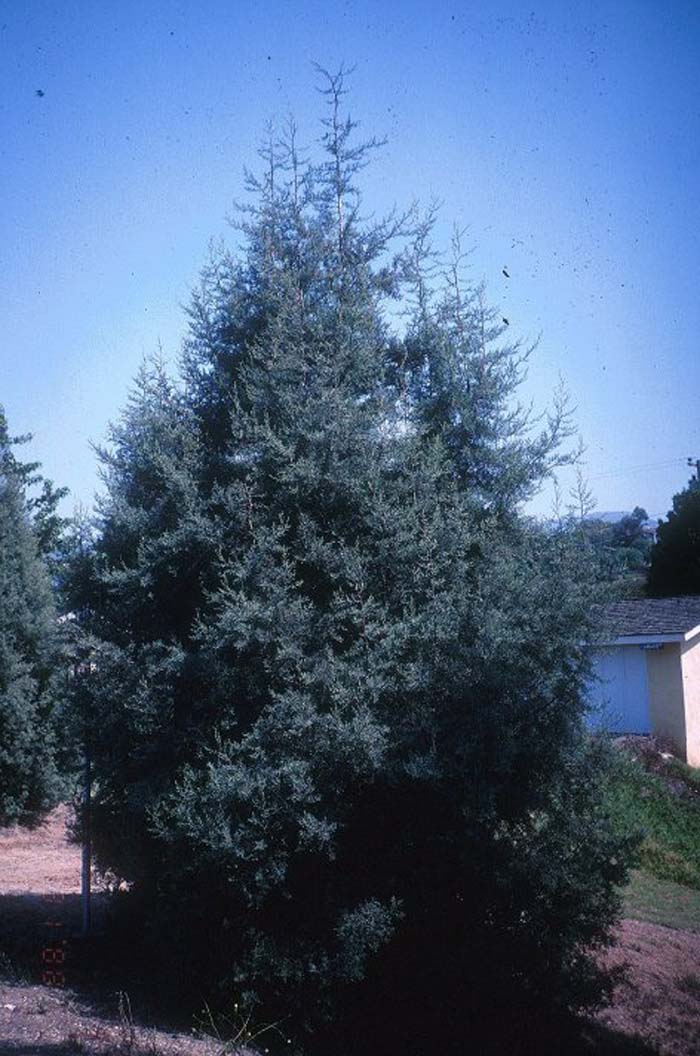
x,y
695,462
85,886
81,672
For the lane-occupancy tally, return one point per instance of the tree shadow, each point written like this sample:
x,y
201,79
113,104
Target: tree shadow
x,y
31,910
41,940
575,1036
598,1039
41,943
43,1048
32,925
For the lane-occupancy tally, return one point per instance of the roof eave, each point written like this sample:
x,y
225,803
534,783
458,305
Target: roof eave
x,y
644,639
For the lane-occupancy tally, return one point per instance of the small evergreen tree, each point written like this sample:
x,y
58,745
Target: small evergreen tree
x,y
338,690
29,656
675,558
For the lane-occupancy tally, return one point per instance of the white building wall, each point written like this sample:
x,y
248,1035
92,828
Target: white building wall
x,y
690,665
666,704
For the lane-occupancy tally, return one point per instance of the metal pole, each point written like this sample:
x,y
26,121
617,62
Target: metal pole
x,y
87,847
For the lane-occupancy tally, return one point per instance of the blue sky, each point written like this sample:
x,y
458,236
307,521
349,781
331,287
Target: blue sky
x,y
564,136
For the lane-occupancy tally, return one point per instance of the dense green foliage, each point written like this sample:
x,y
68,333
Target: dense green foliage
x,y
336,716
629,532
675,557
621,551
30,668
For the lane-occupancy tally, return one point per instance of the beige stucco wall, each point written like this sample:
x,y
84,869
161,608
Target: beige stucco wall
x,y
690,665
666,693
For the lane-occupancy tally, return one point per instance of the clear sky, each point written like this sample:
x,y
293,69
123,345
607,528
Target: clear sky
x,y
565,136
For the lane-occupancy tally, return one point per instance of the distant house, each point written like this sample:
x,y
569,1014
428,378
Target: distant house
x,y
647,671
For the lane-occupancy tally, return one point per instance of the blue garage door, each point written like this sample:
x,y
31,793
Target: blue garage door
x,y
620,692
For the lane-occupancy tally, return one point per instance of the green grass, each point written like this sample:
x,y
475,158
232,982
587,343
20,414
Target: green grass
x,y
665,886
669,823
662,902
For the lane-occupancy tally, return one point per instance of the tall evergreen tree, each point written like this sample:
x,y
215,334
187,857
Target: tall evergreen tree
x,y
675,557
338,720
29,656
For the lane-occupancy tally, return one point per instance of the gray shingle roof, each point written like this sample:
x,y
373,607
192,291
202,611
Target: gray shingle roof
x,y
638,616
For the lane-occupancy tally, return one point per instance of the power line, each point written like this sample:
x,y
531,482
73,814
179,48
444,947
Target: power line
x,y
647,467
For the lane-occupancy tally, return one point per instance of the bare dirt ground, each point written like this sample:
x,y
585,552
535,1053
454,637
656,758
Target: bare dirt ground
x,y
39,891
40,879
660,999
41,1021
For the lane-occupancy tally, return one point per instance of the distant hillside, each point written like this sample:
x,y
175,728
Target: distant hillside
x,y
613,516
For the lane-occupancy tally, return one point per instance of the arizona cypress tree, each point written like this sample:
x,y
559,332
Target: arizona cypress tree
x,y
29,658
338,692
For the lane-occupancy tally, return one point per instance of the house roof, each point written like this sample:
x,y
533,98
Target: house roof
x,y
654,617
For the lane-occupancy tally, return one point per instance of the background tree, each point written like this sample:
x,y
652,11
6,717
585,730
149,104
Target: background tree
x,y
629,532
338,696
621,551
30,668
675,557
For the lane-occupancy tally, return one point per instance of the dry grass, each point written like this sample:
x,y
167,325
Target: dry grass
x,y
41,861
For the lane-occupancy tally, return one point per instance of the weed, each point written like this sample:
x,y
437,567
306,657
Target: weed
x,y
126,1025
232,1031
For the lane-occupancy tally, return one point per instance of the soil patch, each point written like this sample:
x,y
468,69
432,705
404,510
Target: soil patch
x,y
36,1021
659,1001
